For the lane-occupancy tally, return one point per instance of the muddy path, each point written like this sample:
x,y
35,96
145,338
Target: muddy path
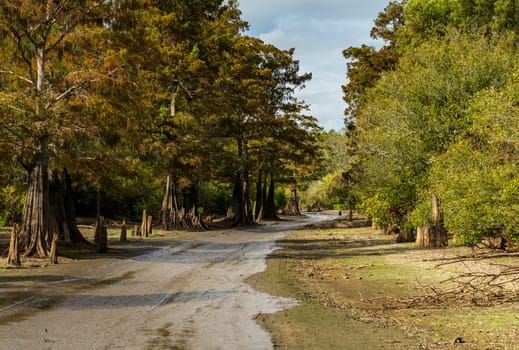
x,y
186,295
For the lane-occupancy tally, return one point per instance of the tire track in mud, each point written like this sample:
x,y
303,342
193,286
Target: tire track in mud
x,y
190,296
188,329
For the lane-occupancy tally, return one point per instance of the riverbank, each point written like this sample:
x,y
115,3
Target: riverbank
x,y
358,289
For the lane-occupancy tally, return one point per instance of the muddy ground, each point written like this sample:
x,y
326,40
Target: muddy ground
x,y
360,290
355,289
176,290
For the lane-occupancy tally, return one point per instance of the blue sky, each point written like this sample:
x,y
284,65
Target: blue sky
x,y
319,31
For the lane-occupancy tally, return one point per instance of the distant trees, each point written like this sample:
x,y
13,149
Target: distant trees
x,y
338,171
426,129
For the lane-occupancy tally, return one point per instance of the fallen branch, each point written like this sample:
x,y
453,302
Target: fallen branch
x,y
473,257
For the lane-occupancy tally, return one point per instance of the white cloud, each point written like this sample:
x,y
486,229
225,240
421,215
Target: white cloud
x,y
258,11
319,31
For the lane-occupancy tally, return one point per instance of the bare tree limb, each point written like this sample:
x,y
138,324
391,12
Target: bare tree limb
x,y
17,76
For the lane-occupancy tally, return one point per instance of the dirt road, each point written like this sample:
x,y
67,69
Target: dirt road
x,y
184,296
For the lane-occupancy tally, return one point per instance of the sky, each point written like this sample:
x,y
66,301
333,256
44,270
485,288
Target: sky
x,y
319,31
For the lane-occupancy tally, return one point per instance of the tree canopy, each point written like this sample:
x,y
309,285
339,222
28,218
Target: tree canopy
x,y
117,95
432,122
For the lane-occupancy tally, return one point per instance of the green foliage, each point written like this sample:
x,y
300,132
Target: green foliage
x,y
390,199
477,177
417,112
122,95
471,193
11,202
313,196
443,119
335,189
4,217
338,170
281,196
329,192
125,198
215,197
421,215
434,18
365,64
430,18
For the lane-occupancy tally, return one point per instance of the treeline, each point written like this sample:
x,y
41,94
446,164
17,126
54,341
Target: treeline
x,y
433,120
106,99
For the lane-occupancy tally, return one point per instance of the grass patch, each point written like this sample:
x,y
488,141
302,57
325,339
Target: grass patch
x,y
358,289
317,323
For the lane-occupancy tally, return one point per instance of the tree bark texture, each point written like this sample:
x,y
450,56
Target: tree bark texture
x,y
435,234
53,255
37,219
123,237
351,208
173,216
146,224
101,236
259,204
270,205
166,211
293,204
62,202
239,212
48,210
13,257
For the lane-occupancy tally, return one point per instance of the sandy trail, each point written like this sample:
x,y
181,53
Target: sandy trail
x,y
188,296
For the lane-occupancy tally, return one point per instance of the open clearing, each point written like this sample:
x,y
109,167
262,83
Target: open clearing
x,y
328,288
179,290
187,294
360,290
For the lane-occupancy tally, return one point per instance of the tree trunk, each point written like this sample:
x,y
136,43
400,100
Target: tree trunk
x,y
62,204
98,203
123,236
270,205
293,204
13,258
351,207
240,212
149,226
101,236
435,234
190,197
245,201
166,211
235,211
37,227
146,224
48,209
259,204
53,256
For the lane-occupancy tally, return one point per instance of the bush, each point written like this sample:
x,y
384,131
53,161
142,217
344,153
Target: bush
x,y
215,198
11,204
479,198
